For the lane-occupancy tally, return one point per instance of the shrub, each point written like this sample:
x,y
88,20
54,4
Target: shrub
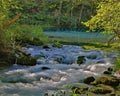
x,y
57,44
117,64
29,34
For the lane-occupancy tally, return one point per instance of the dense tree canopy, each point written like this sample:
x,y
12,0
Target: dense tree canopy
x,y
107,17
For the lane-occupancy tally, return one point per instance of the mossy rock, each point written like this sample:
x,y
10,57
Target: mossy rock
x,y
45,46
36,41
101,89
80,59
88,80
59,59
107,72
108,80
80,90
26,60
4,64
57,44
7,58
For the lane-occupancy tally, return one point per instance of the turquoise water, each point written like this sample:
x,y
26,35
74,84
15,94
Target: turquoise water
x,y
76,34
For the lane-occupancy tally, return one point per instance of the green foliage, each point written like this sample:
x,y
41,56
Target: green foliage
x,y
29,34
57,44
58,13
107,17
117,64
5,7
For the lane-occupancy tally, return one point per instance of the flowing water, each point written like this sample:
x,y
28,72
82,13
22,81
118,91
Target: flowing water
x,y
56,69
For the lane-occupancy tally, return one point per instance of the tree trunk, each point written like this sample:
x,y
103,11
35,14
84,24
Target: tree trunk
x,y
110,40
80,14
59,14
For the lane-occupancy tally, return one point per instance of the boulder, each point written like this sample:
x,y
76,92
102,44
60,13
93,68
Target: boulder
x,y
101,89
45,68
107,72
110,69
59,59
45,46
26,60
107,80
80,59
80,89
88,80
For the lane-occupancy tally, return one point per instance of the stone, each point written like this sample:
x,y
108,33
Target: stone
x,y
26,60
80,59
59,59
45,46
88,80
110,69
101,89
108,80
107,72
80,89
45,68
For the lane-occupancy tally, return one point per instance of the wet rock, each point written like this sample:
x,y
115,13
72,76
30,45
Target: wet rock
x,y
45,46
107,72
7,57
88,80
80,89
80,59
111,81
101,89
26,60
59,59
110,69
46,77
45,68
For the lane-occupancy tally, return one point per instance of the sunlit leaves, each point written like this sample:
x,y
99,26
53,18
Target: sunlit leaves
x,y
107,17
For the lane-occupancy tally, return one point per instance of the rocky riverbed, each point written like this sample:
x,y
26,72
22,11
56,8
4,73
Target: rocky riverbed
x,y
56,69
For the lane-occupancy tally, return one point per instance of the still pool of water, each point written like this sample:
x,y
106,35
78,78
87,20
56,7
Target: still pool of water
x,y
76,34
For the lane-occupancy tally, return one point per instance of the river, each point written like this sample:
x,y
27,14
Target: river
x,y
56,69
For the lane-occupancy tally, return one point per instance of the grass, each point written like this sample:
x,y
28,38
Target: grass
x,y
98,44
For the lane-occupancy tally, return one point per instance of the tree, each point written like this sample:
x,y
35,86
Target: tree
x,y
5,21
107,18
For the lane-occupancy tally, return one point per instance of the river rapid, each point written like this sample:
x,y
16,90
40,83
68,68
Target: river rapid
x,y
56,69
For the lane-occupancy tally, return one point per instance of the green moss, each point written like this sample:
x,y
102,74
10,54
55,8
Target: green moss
x,y
80,89
57,44
117,64
26,60
108,80
101,89
80,59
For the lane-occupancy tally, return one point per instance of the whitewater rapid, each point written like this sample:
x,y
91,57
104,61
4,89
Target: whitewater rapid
x,y
56,69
